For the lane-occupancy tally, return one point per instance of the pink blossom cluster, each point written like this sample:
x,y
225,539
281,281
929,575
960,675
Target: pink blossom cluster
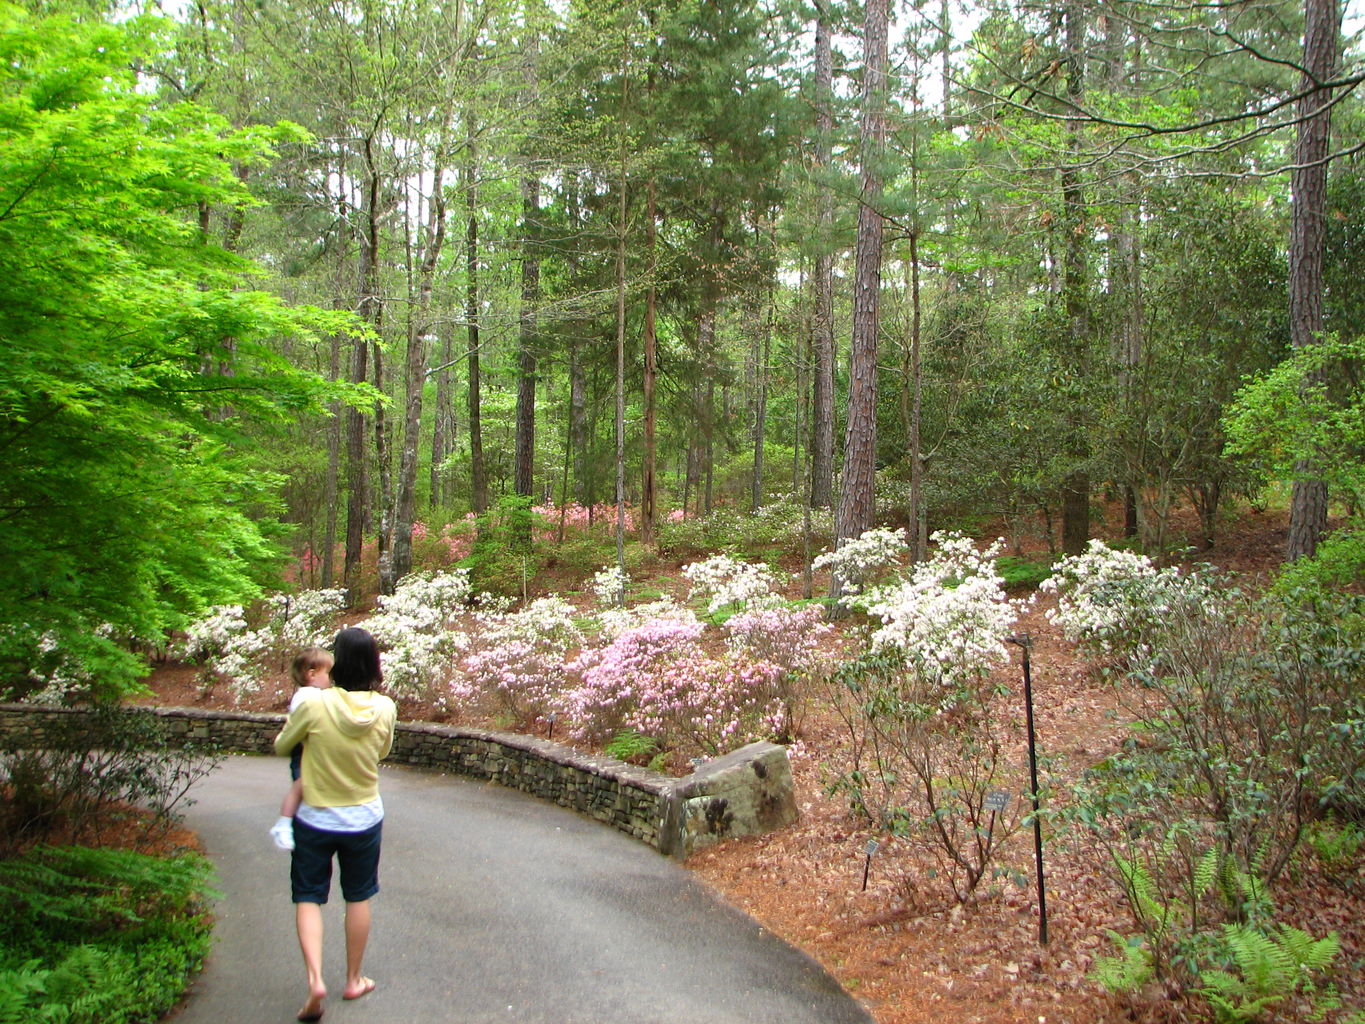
x,y
458,544
658,679
520,660
581,517
789,638
618,680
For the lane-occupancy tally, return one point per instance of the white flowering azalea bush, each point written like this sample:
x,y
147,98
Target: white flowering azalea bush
x,y
417,630
927,740
724,582
949,618
519,661
246,658
60,667
609,586
865,558
296,621
1113,603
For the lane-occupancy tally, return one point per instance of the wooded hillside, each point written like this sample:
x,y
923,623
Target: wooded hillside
x,y
278,281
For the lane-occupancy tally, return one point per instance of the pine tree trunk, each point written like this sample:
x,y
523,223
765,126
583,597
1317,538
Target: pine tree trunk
x,y
443,423
857,494
621,228
649,485
524,458
917,516
1322,20
371,309
415,371
578,426
478,474
383,470
329,487
764,354
525,443
822,399
1076,488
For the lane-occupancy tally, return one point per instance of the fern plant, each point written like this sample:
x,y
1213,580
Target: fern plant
x,y
1127,972
1266,969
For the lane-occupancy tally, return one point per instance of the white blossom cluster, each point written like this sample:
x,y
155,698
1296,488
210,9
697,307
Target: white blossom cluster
x,y
296,621
61,673
1113,602
725,582
612,622
241,657
413,627
609,586
950,617
214,633
860,559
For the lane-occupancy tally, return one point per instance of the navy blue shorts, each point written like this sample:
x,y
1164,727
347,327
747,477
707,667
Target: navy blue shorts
x,y
296,762
357,855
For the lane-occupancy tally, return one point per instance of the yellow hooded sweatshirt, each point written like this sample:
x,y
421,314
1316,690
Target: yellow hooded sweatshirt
x,y
345,734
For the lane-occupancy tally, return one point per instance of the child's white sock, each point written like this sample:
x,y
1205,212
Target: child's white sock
x,y
283,833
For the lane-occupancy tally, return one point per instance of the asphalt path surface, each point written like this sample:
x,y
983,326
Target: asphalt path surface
x,y
494,907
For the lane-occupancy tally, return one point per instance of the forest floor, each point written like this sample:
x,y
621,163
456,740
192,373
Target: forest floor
x,y
887,926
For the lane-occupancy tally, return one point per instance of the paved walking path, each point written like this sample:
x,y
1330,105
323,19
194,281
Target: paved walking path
x,y
495,907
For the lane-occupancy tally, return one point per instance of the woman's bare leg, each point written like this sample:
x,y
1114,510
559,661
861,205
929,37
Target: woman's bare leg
x,y
308,920
357,935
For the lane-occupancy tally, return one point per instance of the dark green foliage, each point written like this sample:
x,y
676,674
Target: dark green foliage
x,y
1022,573
90,936
503,560
768,534
630,745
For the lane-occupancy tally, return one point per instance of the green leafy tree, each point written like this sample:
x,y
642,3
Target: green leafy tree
x,y
133,359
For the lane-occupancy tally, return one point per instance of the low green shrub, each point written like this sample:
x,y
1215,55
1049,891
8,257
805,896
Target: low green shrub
x,y
1023,573
90,762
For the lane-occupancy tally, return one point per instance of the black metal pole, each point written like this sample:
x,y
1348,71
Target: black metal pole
x,y
1025,642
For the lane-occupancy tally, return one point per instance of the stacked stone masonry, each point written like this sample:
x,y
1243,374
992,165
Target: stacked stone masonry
x,y
746,792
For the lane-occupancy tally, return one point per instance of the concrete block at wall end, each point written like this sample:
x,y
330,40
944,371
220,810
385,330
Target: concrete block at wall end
x,y
744,793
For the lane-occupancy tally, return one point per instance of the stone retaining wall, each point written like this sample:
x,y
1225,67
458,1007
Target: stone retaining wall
x,y
747,792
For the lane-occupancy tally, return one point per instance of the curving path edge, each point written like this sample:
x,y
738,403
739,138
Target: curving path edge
x,y
495,907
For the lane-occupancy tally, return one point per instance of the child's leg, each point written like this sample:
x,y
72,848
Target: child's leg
x,y
289,806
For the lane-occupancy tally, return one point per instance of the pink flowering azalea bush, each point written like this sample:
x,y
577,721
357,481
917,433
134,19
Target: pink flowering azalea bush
x,y
658,679
519,664
618,680
790,645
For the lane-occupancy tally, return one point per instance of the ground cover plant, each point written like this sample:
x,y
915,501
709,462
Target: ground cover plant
x,y
100,936
104,903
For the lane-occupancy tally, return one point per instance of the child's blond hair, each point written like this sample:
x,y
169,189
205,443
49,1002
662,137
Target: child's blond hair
x,y
305,661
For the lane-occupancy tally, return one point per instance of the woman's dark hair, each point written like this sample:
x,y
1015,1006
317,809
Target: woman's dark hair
x,y
357,660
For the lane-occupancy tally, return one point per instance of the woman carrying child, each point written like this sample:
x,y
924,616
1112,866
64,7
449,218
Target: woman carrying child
x,y
346,731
